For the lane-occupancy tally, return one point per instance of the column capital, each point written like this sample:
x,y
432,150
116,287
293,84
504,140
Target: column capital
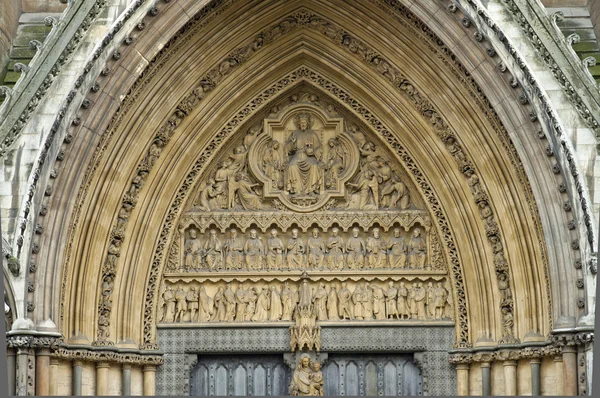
x,y
101,365
510,363
486,364
534,361
463,366
149,368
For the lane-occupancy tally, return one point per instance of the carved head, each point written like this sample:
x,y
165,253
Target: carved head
x,y
391,284
430,284
355,231
253,233
233,233
274,232
439,284
305,361
193,233
275,144
332,142
295,233
315,233
376,232
316,366
213,233
417,232
343,285
335,231
401,284
396,232
303,121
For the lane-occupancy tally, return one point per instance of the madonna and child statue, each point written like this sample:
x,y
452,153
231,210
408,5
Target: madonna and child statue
x,y
307,379
304,173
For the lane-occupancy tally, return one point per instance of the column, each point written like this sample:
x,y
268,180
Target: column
x,y
486,383
569,370
53,376
558,370
510,377
462,379
21,379
11,365
77,373
149,380
126,380
102,378
535,376
42,372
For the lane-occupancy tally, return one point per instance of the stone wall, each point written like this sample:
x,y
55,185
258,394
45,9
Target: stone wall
x,y
9,21
594,7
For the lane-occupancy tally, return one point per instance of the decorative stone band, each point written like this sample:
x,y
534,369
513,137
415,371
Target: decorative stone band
x,y
93,354
27,341
572,339
505,354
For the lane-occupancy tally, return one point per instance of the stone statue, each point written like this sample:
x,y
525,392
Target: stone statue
x,y
420,301
181,297
263,304
207,196
305,294
397,247
289,302
412,304
169,298
391,297
345,309
316,250
359,299
301,384
335,250
376,249
222,179
335,162
254,251
332,305
439,301
394,192
192,303
417,250
507,323
241,298
295,251
251,307
429,299
213,251
234,251
276,305
303,148
192,250
403,303
316,388
205,307
320,300
274,251
273,165
366,195
220,313
368,301
379,303
230,302
355,249
244,191
505,292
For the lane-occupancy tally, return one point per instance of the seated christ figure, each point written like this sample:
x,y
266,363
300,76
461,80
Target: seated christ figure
x,y
303,147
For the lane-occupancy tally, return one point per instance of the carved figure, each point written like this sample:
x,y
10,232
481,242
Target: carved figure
x,y
507,323
254,251
274,251
263,304
316,387
295,251
439,301
403,303
391,297
366,192
303,148
220,313
241,298
419,299
359,299
222,184
417,250
316,250
412,304
207,195
234,251
181,297
192,249
345,309
273,165
305,295
376,250
335,250
429,300
213,251
355,249
397,247
192,303
505,291
169,298
302,378
332,305
251,307
320,300
248,199
230,302
368,301
379,303
289,302
392,189
335,163
276,306
205,307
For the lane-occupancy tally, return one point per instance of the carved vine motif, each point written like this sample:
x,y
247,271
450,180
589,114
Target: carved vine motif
x,y
338,299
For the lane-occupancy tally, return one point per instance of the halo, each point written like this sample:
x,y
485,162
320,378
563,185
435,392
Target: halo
x,y
303,115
